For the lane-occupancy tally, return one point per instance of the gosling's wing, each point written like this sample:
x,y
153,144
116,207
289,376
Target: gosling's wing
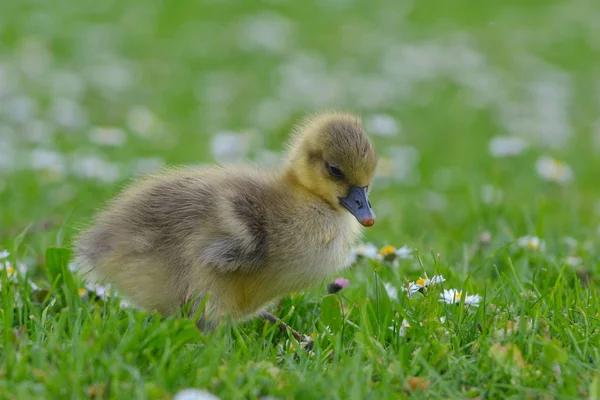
x,y
244,221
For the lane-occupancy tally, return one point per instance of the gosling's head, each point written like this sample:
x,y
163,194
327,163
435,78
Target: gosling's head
x,y
332,157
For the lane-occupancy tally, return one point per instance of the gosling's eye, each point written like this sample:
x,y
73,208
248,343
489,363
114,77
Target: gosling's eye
x,y
335,171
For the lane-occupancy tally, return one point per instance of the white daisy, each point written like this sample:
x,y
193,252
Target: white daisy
x,y
382,125
4,254
422,283
570,241
453,296
404,252
553,170
366,250
266,32
506,146
47,160
573,261
530,242
95,168
194,394
99,290
230,146
391,290
68,113
13,270
403,326
124,303
142,121
390,253
107,136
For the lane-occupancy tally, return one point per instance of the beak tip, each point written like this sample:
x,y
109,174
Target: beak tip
x,y
368,222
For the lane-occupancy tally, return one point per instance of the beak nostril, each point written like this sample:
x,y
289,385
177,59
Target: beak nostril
x,y
358,203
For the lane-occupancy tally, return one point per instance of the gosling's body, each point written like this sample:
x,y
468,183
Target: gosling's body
x,y
243,235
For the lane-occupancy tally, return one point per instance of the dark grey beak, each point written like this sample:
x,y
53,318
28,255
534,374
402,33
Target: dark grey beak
x,y
357,202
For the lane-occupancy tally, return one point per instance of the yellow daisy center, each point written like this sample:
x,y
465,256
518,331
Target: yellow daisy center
x,y
387,250
81,291
10,270
421,282
458,295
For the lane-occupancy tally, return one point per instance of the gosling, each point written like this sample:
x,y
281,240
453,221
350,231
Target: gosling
x,y
235,238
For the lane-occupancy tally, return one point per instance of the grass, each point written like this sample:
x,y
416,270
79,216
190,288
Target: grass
x,y
169,77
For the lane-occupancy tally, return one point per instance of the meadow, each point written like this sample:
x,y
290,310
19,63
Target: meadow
x,y
479,279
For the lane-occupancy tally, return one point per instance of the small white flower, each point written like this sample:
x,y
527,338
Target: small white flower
x,y
422,283
403,326
573,261
107,136
382,125
93,167
47,160
265,32
111,77
142,121
570,241
506,146
4,254
412,288
453,296
68,113
473,300
367,250
194,394
391,290
124,303
553,170
230,146
11,270
404,252
20,108
436,279
531,243
485,238
99,290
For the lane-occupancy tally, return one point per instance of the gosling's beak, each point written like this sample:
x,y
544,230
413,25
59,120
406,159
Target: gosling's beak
x,y
357,202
